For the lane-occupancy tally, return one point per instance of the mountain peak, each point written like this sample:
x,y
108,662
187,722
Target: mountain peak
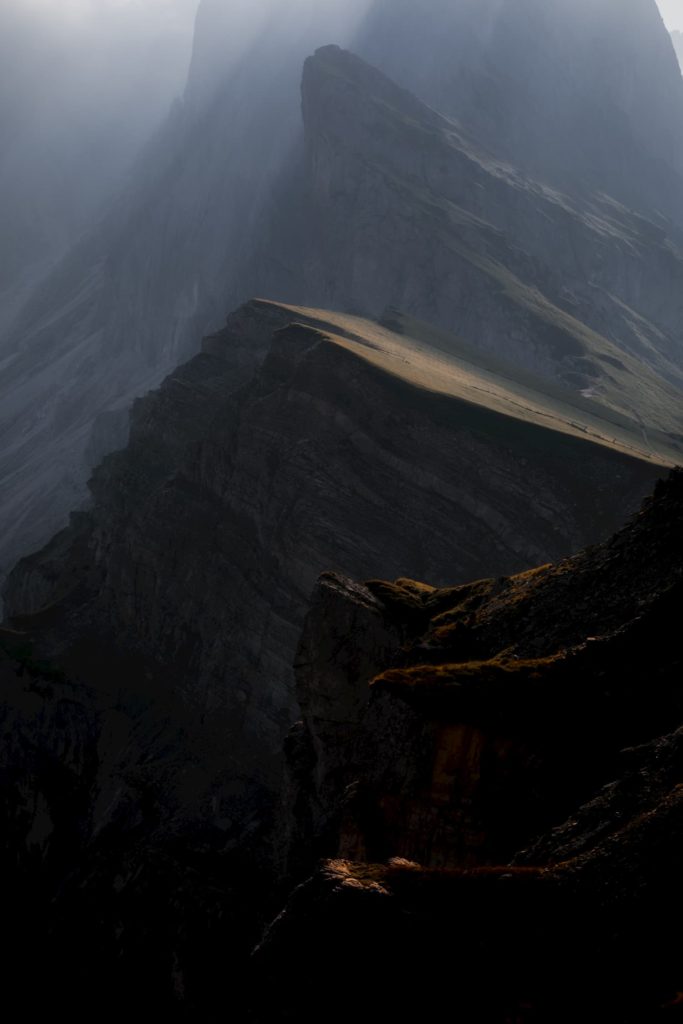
x,y
573,91
341,68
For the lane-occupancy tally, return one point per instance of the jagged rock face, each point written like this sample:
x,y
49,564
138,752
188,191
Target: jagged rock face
x,y
464,240
584,921
573,926
461,752
347,640
172,611
176,604
494,945
574,93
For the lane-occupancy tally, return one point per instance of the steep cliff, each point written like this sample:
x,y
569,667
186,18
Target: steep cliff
x,y
159,269
485,692
408,212
147,683
467,725
585,95
299,440
386,204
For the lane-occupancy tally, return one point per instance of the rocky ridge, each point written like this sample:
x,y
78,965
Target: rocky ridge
x,y
574,94
298,443
481,233
573,283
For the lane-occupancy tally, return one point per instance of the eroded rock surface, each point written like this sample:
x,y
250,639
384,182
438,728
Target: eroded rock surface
x,y
538,714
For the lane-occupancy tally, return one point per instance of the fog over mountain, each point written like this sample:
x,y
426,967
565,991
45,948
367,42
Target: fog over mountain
x,y
220,207
341,344
166,261
83,84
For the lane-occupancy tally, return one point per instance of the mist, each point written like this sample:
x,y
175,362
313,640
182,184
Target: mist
x,y
83,85
297,294
227,31
156,173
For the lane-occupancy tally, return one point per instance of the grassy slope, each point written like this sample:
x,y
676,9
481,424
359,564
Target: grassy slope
x,y
437,362
628,392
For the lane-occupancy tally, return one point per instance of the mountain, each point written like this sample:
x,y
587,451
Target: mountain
x,y
137,293
283,449
574,285
446,731
402,796
150,645
467,243
495,772
584,95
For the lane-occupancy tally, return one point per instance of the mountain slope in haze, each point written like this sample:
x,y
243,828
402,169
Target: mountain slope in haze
x,y
151,643
584,94
80,95
401,209
386,203
496,771
135,296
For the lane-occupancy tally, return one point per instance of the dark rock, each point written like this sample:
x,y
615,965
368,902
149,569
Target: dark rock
x,y
458,761
170,614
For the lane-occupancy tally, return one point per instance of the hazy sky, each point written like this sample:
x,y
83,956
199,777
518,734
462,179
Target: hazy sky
x,y
672,12
69,9
105,43
181,12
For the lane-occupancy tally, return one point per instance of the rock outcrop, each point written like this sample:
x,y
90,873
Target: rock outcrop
x,y
504,709
147,683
